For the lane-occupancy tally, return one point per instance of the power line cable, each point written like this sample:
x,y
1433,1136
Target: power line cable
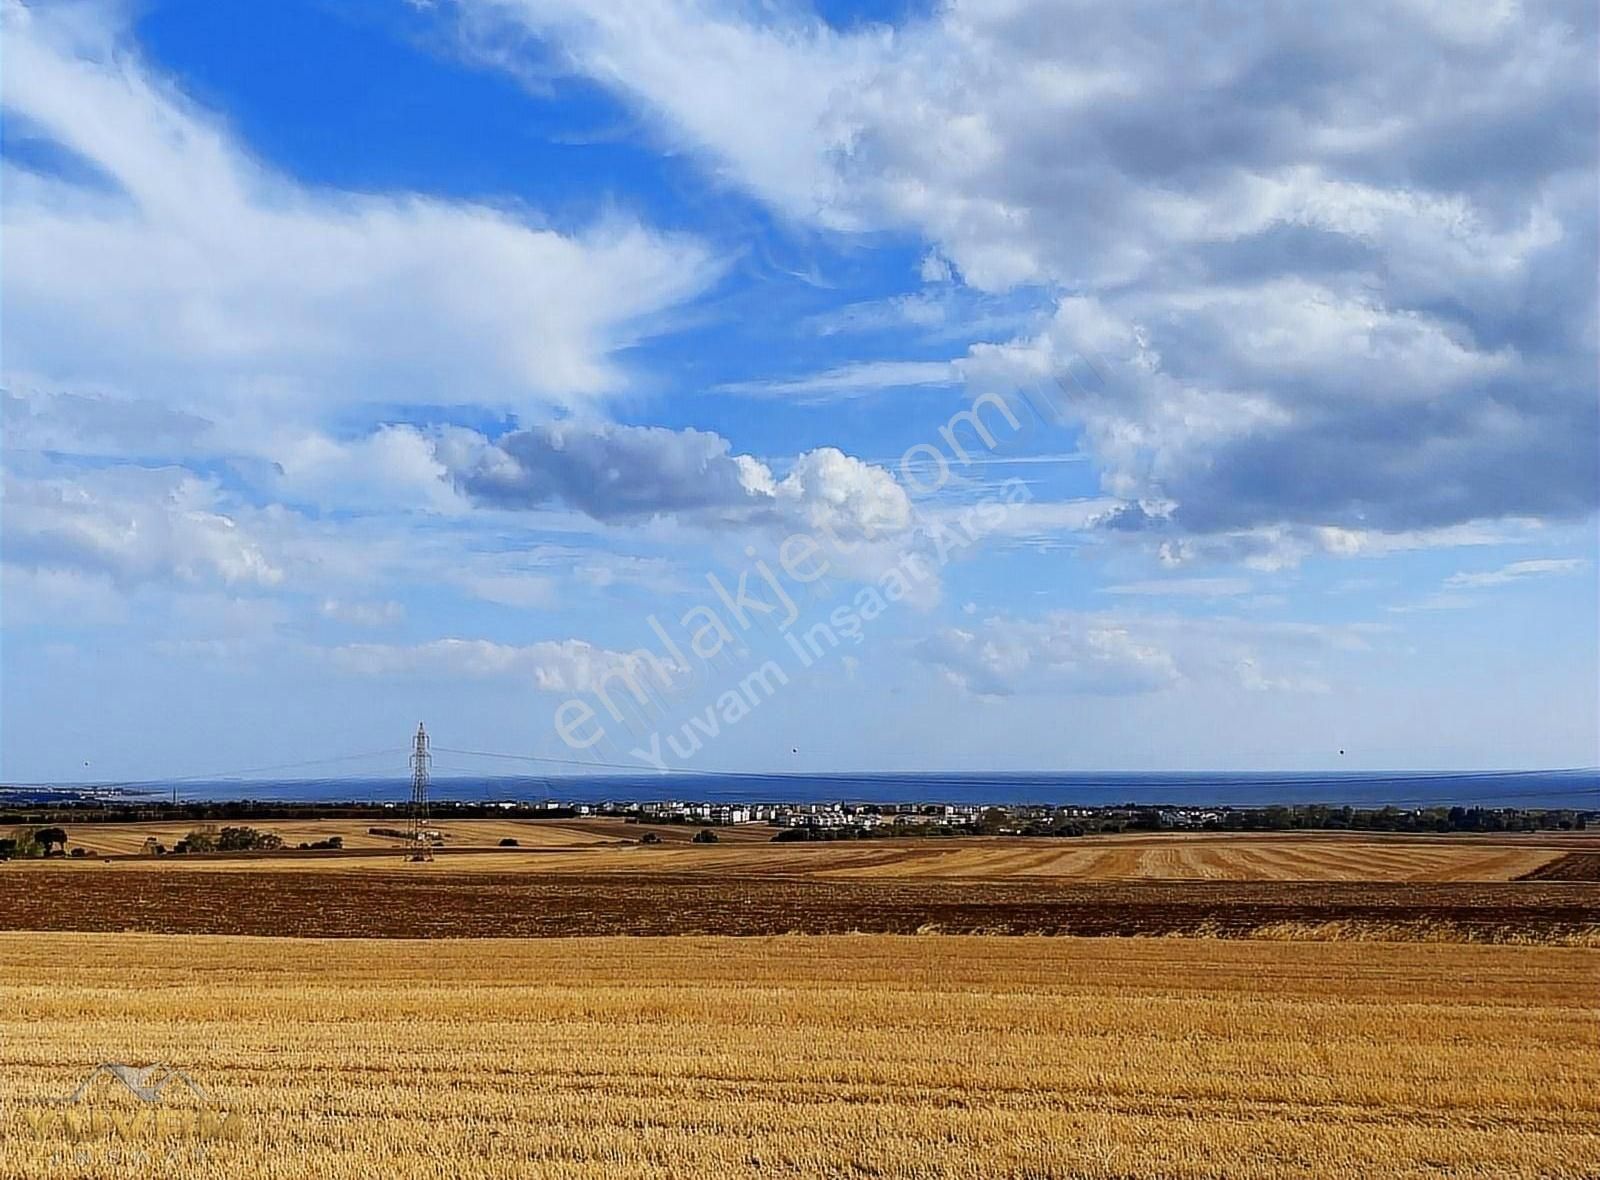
x,y
224,775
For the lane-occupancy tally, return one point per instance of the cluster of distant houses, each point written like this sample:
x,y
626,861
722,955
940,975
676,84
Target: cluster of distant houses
x,y
846,815
842,815
803,815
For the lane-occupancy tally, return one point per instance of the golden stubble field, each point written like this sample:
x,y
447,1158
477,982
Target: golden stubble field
x,y
610,846
125,839
838,1056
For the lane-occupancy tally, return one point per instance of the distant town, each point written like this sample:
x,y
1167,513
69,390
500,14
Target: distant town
x,y
837,820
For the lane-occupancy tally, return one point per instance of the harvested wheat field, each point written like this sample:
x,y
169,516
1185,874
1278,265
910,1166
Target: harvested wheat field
x,y
612,846
1227,857
124,839
847,1056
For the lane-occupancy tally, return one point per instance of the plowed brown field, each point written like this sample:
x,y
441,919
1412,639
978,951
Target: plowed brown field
x,y
565,879
1575,866
437,900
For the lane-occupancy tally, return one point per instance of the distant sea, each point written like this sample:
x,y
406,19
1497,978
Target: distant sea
x,y
1577,789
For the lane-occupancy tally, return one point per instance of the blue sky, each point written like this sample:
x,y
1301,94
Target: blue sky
x,y
366,362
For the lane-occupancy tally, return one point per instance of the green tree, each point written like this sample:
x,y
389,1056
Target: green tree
x,y
26,843
993,820
245,839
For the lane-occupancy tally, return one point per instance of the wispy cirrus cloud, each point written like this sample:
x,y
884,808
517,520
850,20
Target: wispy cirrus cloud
x,y
1457,592
1117,653
569,665
221,284
1183,588
1517,571
853,380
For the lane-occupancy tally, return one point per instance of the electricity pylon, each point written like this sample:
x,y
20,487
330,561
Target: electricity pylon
x,y
419,845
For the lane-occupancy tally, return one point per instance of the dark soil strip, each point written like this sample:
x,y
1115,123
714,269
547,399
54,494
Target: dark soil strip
x,y
1574,866
430,903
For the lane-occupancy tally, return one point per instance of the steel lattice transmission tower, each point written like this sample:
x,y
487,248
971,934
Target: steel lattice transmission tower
x,y
419,845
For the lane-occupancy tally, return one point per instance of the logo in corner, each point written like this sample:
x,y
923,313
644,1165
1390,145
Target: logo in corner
x,y
148,1083
119,1101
